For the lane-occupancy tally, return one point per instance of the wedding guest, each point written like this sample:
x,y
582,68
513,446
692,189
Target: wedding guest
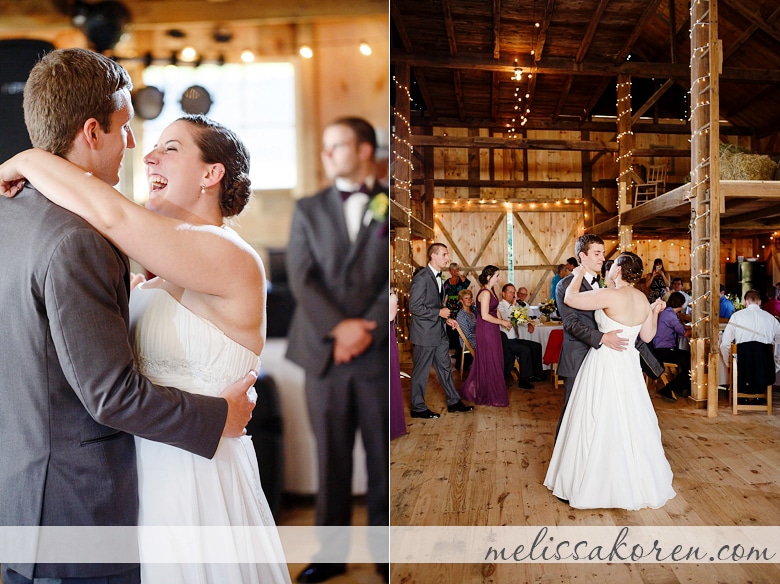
x,y
452,286
426,333
772,305
666,346
338,265
677,284
485,384
527,352
751,324
521,297
657,281
397,417
726,306
467,321
560,273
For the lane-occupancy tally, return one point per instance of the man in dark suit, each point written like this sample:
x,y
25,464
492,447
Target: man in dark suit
x,y
427,334
339,275
580,331
71,395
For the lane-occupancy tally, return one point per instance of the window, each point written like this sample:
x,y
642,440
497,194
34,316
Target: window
x,y
256,101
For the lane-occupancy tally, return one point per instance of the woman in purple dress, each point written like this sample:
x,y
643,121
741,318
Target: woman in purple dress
x,y
485,384
397,416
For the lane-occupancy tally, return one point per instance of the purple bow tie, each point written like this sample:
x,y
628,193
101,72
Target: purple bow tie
x,y
346,194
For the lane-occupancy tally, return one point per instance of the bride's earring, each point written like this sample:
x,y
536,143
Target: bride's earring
x,y
203,190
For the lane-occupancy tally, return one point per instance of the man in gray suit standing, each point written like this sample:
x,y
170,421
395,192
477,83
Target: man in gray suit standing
x,y
428,335
71,395
338,268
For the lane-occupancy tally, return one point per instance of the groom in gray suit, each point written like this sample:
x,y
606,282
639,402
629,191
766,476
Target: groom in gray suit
x,y
71,395
428,335
338,269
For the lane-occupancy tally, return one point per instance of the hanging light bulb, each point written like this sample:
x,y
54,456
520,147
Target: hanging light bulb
x,y
518,72
365,49
306,52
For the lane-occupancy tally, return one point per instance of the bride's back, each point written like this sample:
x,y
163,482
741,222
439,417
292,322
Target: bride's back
x,y
630,307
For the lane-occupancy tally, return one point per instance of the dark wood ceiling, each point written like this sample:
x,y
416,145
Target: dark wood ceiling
x,y
461,55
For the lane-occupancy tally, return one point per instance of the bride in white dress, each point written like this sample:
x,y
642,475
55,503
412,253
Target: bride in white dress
x,y
609,453
198,326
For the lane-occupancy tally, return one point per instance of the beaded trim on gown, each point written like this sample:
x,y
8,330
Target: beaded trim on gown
x,y
609,453
175,347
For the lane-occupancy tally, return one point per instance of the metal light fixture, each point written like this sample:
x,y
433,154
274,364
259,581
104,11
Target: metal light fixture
x,y
518,72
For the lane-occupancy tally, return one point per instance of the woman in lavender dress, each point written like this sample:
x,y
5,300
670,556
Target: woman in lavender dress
x,y
485,384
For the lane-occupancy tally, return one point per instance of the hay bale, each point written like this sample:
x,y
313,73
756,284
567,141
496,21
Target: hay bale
x,y
736,164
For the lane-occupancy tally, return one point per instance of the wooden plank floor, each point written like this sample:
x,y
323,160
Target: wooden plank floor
x,y
486,468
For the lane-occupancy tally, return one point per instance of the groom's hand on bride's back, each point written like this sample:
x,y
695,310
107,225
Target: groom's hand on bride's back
x,y
614,341
241,398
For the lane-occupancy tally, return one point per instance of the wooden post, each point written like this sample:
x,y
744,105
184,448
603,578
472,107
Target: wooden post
x,y
625,139
706,202
401,194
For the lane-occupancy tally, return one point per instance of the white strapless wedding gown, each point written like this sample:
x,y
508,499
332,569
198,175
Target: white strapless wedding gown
x,y
177,348
609,453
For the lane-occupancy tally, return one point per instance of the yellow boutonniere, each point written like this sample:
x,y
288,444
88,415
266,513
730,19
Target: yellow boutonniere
x,y
378,207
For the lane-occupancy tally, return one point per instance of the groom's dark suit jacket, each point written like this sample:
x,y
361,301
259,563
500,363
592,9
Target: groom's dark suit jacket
x,y
580,333
71,396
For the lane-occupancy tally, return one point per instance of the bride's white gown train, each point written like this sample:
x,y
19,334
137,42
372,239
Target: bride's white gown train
x,y
178,348
609,453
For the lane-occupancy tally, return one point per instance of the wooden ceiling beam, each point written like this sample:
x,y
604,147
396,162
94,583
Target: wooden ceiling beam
x,y
753,16
642,127
515,184
449,27
510,143
495,95
561,66
398,21
562,98
590,32
544,28
419,76
652,100
651,9
459,94
496,29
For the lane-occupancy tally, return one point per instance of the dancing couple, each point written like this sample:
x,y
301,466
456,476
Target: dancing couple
x,y
608,451
75,386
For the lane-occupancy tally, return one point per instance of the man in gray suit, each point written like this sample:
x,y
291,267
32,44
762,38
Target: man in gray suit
x,y
71,395
339,275
428,335
580,331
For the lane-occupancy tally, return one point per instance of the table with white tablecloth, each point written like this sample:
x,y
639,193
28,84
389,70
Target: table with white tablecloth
x,y
541,335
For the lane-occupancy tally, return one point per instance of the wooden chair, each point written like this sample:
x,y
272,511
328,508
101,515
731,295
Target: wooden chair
x,y
552,353
734,390
654,186
465,350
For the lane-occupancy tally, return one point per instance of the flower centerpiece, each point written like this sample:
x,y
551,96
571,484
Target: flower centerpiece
x,y
548,307
519,315
738,305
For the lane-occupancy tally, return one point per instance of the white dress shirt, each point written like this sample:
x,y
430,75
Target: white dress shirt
x,y
505,310
437,276
751,324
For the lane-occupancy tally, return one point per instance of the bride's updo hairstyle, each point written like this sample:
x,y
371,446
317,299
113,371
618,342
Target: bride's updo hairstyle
x,y
486,274
630,267
219,144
